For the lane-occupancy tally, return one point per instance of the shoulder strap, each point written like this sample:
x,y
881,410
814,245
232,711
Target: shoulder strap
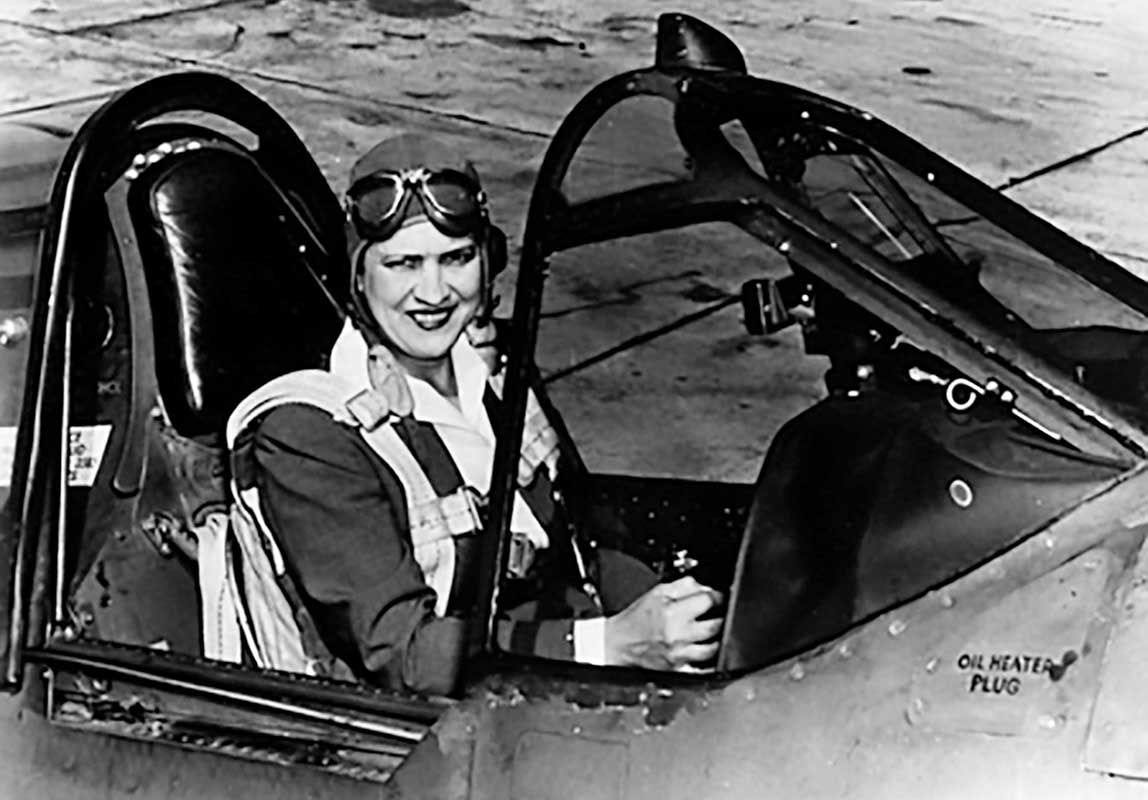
x,y
541,446
424,441
538,470
433,520
312,387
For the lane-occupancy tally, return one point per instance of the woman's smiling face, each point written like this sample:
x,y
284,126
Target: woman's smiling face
x,y
423,288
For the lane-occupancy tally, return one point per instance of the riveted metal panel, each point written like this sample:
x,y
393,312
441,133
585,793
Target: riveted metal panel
x,y
547,765
1117,740
1009,670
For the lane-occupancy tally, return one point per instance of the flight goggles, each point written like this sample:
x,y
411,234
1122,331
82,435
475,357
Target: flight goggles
x,y
453,201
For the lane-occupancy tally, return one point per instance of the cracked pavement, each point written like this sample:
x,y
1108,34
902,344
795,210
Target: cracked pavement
x,y
1004,92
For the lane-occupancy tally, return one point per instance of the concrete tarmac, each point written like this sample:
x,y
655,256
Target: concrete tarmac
x,y
1044,96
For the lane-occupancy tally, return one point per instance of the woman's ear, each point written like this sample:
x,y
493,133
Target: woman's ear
x,y
360,267
483,337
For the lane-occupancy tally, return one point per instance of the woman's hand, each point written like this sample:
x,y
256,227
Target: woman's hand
x,y
662,629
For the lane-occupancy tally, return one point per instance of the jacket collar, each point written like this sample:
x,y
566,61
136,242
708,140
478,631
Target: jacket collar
x,y
349,361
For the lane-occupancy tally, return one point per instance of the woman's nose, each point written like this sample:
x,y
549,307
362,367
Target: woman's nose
x,y
431,289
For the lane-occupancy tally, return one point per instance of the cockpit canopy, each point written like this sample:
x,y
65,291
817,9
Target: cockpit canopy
x,y
921,372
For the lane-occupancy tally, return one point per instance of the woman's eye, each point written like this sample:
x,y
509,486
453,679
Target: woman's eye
x,y
400,263
456,258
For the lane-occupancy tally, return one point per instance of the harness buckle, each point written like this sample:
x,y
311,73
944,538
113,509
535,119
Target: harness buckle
x,y
462,512
521,556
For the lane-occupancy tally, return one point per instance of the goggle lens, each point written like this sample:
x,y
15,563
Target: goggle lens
x,y
454,194
451,199
374,201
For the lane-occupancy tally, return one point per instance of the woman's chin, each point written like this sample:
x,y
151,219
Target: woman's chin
x,y
430,345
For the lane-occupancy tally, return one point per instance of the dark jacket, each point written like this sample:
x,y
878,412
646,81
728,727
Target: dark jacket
x,y
339,515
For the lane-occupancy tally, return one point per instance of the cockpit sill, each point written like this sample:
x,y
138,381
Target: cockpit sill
x,y
366,733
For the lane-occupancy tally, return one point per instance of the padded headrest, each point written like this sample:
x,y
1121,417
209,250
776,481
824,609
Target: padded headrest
x,y
233,281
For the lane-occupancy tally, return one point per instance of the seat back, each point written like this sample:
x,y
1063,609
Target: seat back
x,y
234,282
199,267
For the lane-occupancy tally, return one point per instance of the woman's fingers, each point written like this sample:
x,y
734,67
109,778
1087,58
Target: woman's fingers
x,y
704,630
681,588
695,605
664,628
694,653
691,630
682,623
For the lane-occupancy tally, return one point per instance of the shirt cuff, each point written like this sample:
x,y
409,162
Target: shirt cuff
x,y
590,641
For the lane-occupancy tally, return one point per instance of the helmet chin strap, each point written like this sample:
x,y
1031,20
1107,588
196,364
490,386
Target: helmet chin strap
x,y
486,302
358,310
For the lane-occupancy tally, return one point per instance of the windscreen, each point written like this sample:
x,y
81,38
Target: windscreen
x,y
1077,327
641,340
859,483
632,145
15,324
904,218
28,156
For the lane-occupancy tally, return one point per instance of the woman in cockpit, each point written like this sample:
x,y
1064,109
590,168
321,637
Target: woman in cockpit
x,y
373,495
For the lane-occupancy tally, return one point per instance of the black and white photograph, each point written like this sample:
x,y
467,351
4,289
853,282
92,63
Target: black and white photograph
x,y
546,400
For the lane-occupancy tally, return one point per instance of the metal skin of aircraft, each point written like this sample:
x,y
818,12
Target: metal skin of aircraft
x,y
935,585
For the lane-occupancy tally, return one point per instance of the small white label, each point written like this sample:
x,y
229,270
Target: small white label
x,y
85,452
86,445
7,454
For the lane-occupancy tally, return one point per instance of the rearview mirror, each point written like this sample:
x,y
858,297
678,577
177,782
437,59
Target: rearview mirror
x,y
772,304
